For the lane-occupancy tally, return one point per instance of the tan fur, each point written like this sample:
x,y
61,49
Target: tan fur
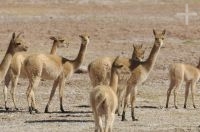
x,y
17,70
140,74
51,67
17,44
103,100
100,71
183,72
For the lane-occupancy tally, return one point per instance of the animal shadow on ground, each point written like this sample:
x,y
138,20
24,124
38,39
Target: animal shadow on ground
x,y
149,107
57,120
76,112
79,113
83,106
73,112
3,110
1,107
76,115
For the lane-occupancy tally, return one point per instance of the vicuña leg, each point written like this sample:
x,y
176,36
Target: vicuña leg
x,y
111,122
5,90
107,122
98,122
55,84
171,86
133,99
28,94
120,95
12,91
33,104
128,91
61,87
34,82
178,85
186,93
193,86
35,85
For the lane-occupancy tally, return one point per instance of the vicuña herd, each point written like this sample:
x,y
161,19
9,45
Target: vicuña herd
x,y
114,79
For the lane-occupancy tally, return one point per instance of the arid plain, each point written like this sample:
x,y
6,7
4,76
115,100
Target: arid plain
x,y
113,27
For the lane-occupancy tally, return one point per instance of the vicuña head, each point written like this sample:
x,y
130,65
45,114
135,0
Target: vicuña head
x,y
138,54
84,39
60,41
18,43
159,37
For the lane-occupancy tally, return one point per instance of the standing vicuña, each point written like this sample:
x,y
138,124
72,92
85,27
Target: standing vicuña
x,y
183,72
103,100
52,67
17,70
100,71
140,74
17,44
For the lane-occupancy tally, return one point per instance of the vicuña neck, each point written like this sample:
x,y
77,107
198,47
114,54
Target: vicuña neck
x,y
79,59
152,57
54,47
198,66
6,62
134,64
114,81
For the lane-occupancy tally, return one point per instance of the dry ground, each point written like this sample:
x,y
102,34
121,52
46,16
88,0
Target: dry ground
x,y
114,25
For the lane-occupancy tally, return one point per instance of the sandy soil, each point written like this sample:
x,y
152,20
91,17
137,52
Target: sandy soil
x,y
114,25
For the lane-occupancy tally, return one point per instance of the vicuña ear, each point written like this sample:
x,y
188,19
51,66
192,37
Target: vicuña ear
x,y
61,40
141,46
119,66
53,38
13,35
81,36
19,34
116,65
154,32
115,60
133,46
163,32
